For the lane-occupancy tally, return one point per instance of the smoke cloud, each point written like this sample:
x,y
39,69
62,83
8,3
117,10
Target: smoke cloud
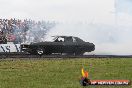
x,y
108,39
111,34
108,22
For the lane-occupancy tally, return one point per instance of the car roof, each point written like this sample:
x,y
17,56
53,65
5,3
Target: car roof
x,y
61,36
79,40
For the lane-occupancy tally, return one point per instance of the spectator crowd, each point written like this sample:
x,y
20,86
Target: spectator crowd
x,y
21,31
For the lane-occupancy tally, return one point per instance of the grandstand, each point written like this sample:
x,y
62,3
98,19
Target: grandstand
x,y
23,31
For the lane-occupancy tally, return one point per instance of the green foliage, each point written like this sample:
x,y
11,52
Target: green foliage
x,y
62,73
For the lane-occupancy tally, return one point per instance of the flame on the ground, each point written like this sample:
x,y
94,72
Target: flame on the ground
x,y
84,73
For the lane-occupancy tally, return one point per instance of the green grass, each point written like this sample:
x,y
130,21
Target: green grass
x,y
62,73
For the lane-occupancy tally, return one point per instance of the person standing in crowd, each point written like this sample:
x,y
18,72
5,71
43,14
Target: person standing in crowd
x,y
15,30
3,39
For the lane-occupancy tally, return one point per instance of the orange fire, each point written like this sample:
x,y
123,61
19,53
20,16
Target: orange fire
x,y
84,73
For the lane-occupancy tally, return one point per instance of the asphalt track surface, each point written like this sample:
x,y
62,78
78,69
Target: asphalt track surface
x,y
23,55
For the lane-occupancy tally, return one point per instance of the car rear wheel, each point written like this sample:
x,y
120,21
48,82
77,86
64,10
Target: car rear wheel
x,y
40,51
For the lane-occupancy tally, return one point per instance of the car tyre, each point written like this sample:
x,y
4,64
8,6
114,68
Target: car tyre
x,y
40,51
79,53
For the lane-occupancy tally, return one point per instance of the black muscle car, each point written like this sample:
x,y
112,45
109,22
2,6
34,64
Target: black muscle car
x,y
60,44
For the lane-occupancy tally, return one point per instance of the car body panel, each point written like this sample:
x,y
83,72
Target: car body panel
x,y
61,44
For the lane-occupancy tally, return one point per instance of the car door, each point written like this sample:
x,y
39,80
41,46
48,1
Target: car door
x,y
57,46
69,45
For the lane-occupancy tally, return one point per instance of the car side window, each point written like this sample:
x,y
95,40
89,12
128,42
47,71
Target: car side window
x,y
74,40
68,39
59,39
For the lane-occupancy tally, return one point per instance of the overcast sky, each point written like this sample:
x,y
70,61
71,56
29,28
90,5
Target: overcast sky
x,y
60,10
100,11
